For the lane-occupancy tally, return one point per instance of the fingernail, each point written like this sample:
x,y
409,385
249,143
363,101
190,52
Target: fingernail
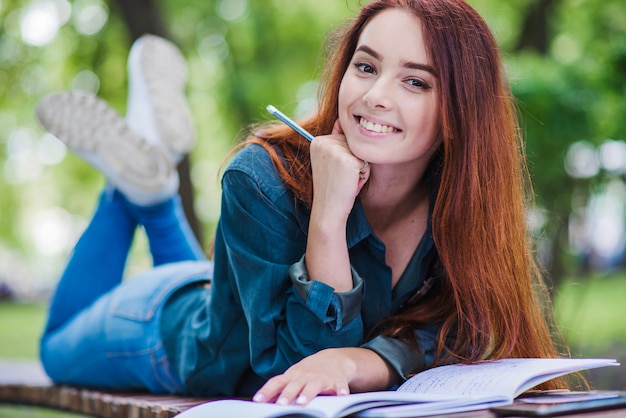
x,y
282,401
344,391
301,400
259,397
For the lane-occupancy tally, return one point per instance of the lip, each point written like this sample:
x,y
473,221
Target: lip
x,y
377,121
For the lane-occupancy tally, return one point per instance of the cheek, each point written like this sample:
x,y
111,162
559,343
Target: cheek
x,y
424,129
342,99
344,102
350,90
428,121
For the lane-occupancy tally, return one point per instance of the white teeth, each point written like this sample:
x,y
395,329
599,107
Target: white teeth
x,y
376,127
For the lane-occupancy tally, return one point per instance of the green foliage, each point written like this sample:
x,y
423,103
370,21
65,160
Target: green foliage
x,y
574,93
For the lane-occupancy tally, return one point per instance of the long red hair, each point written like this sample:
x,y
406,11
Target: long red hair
x,y
487,296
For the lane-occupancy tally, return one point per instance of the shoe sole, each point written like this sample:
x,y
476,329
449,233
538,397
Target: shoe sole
x,y
90,127
165,71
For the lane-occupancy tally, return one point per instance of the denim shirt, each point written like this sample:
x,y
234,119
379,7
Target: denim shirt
x,y
262,313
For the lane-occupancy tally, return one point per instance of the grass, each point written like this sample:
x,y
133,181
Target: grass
x,y
20,327
591,311
21,411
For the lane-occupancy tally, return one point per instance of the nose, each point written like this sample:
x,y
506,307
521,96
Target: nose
x,y
378,96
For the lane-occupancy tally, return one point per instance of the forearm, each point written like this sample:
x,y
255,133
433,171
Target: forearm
x,y
370,371
327,259
336,185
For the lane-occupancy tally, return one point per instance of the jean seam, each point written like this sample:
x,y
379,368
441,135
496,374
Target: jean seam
x,y
161,370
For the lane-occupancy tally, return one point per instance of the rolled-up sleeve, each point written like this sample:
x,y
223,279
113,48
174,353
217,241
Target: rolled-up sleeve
x,y
404,359
330,307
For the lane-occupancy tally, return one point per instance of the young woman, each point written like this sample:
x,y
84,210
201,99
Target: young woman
x,y
393,242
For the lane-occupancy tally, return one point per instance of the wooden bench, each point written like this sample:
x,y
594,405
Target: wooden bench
x,y
25,383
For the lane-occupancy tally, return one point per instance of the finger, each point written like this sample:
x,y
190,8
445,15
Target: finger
x,y
290,393
363,178
270,391
343,390
312,390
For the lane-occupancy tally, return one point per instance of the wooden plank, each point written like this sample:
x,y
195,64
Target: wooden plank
x,y
26,383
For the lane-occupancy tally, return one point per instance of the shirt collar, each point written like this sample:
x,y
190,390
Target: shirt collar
x,y
358,227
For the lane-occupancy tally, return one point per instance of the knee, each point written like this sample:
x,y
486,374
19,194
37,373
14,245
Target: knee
x,y
53,361
46,359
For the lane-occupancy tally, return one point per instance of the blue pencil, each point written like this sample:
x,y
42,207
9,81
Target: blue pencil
x,y
293,125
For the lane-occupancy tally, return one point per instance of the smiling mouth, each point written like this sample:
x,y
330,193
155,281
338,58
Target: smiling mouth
x,y
376,127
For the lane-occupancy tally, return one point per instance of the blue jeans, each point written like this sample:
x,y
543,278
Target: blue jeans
x,y
105,332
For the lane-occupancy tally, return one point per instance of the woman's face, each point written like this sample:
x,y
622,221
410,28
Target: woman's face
x,y
388,98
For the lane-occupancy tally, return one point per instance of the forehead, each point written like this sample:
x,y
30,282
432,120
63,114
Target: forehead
x,y
395,32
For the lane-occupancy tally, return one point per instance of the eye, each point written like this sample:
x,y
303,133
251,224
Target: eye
x,y
418,83
365,68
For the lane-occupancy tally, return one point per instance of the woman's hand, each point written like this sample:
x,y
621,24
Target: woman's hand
x,y
338,177
334,371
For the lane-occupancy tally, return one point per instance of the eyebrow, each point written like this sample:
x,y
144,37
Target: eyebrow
x,y
406,64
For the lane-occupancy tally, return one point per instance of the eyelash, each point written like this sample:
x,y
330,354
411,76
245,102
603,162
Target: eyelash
x,y
420,84
360,66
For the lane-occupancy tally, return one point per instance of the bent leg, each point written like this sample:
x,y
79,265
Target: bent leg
x,y
169,235
116,342
97,262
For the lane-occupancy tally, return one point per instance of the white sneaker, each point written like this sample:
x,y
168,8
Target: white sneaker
x,y
157,107
143,171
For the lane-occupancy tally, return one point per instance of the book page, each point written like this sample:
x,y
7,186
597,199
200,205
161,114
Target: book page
x,y
450,388
433,408
507,378
232,408
320,407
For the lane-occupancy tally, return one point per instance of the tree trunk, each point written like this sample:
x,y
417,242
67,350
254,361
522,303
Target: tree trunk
x,y
141,17
535,32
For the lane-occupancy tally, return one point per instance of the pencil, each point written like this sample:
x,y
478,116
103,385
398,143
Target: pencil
x,y
293,125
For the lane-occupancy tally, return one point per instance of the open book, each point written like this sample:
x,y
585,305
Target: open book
x,y
444,389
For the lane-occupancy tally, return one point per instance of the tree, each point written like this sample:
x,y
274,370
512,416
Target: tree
x,y
569,77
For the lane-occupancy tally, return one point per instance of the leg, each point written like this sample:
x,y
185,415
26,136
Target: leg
x,y
169,235
112,338
103,332
115,343
96,264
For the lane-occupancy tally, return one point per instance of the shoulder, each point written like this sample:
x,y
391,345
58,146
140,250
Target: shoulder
x,y
253,166
250,158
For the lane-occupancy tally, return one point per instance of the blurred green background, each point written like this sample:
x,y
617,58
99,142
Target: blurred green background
x,y
566,60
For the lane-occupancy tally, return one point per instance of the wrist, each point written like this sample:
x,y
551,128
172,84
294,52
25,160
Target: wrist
x,y
372,371
329,215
